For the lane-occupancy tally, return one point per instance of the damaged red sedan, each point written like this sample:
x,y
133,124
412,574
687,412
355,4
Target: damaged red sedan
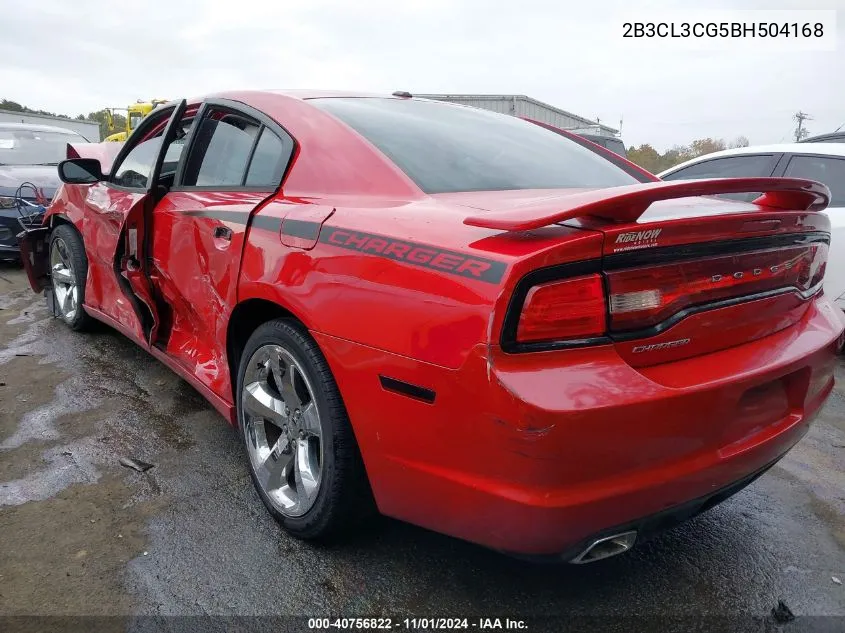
x,y
468,321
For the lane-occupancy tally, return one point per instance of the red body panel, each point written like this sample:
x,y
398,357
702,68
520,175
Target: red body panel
x,y
526,452
197,274
532,453
99,212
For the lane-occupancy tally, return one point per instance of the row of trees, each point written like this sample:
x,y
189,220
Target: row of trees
x,y
649,158
99,116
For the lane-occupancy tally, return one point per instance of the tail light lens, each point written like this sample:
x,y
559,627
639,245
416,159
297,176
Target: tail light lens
x,y
643,297
569,309
625,301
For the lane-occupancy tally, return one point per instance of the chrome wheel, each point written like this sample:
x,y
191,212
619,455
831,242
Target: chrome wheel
x,y
64,280
281,424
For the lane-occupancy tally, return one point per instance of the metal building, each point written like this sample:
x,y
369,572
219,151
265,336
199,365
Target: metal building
x,y
88,129
520,105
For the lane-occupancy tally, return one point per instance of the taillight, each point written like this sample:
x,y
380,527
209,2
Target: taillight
x,y
559,310
643,297
627,302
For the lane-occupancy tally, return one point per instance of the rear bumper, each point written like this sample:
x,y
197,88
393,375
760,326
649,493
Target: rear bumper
x,y
649,526
534,454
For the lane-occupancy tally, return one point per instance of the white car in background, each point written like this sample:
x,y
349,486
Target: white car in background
x,y
824,162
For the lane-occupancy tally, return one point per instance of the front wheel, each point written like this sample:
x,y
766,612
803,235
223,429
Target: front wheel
x,y
68,272
303,457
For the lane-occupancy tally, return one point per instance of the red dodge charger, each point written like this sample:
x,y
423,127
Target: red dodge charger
x,y
475,323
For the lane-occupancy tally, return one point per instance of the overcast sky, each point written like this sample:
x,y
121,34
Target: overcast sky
x,y
75,57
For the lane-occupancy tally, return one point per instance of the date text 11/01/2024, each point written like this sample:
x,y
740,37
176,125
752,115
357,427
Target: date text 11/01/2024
x,y
417,624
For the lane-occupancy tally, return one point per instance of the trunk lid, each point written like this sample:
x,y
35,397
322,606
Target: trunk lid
x,y
685,276
674,302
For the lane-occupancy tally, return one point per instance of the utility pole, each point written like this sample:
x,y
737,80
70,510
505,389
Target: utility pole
x,y
800,132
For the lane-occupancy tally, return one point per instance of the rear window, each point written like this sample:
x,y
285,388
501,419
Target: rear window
x,y
447,148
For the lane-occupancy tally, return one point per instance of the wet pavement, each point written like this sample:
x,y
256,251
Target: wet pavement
x,y
82,535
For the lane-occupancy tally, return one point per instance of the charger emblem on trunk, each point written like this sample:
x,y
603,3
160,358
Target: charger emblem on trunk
x,y
659,346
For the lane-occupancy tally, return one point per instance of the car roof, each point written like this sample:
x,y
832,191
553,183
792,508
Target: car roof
x,y
244,95
32,127
827,149
839,136
323,94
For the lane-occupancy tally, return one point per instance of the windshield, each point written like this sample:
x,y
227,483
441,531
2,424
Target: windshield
x,y
446,148
34,147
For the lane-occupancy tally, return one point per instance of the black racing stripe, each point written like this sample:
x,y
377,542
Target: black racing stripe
x,y
407,389
235,217
267,223
416,254
301,228
240,217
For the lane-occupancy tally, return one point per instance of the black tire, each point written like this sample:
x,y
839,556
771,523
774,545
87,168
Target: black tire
x,y
75,249
344,499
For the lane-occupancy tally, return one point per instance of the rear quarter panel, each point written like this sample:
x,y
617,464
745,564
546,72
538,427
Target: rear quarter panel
x,y
362,296
399,277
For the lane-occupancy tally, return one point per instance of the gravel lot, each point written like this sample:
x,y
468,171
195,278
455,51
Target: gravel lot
x,y
82,535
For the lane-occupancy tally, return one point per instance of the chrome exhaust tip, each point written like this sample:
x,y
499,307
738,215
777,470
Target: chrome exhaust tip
x,y
606,547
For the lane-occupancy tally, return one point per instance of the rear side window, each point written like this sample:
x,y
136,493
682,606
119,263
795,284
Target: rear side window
x,y
231,149
267,162
447,148
825,169
222,150
753,166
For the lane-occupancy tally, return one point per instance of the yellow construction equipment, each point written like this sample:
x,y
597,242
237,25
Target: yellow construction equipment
x,y
135,112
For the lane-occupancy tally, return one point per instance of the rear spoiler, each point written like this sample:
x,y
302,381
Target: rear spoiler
x,y
628,203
